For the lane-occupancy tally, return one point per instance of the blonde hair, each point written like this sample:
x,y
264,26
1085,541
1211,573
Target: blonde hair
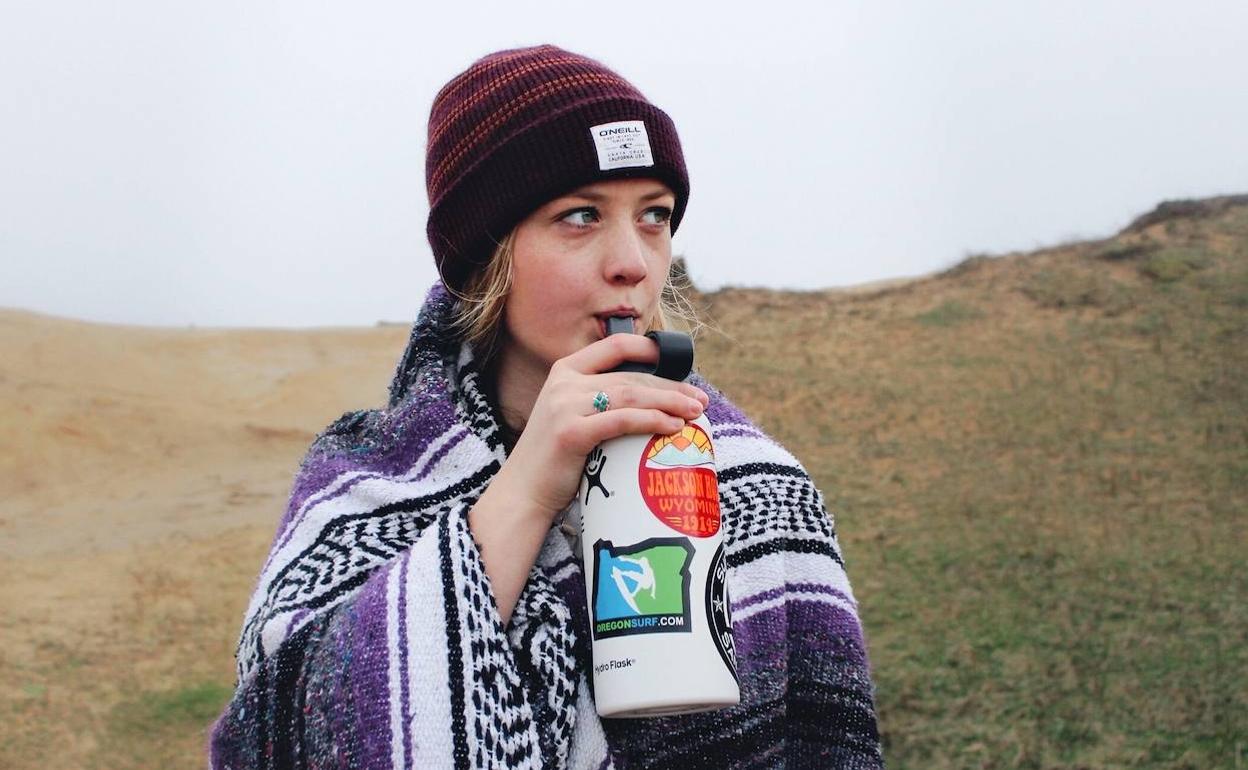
x,y
478,316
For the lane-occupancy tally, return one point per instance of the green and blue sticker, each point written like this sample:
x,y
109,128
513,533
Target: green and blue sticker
x,y
642,588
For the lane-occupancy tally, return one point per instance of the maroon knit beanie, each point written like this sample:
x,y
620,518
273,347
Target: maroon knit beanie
x,y
521,127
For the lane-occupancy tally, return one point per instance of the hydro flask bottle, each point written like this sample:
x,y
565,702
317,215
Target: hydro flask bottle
x,y
655,575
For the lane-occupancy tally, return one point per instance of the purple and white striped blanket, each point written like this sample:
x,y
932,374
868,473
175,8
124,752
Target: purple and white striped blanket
x,y
372,639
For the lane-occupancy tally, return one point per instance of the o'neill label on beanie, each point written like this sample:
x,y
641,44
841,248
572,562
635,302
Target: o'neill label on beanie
x,y
622,144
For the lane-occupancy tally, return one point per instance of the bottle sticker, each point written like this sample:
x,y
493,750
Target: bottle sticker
x,y
622,144
718,613
594,465
677,480
642,588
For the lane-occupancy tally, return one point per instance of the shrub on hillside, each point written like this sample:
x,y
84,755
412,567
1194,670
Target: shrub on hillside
x,y
949,313
1117,250
1174,263
1067,288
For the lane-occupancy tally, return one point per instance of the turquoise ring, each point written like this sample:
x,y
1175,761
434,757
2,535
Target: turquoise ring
x,y
601,402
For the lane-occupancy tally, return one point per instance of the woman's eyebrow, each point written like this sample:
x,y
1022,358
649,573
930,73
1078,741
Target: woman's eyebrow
x,y
597,197
656,194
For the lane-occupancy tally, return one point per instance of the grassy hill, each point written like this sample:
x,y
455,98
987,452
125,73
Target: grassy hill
x,y
1038,465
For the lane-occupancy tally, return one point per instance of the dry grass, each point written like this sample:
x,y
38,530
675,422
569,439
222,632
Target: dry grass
x,y
132,672
1038,463
1039,466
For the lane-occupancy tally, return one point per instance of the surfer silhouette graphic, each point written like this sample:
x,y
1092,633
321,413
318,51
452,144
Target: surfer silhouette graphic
x,y
641,580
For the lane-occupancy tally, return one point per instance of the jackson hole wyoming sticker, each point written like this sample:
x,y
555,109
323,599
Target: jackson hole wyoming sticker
x,y
642,588
676,476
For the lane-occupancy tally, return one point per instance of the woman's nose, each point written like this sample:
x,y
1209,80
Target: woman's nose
x,y
625,260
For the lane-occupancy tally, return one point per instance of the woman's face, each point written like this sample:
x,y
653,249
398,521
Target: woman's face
x,y
579,259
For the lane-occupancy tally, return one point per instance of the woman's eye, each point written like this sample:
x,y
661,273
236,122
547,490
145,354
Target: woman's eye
x,y
657,216
581,217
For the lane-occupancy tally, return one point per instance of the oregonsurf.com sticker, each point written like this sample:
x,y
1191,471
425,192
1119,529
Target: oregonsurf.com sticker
x,y
676,476
642,588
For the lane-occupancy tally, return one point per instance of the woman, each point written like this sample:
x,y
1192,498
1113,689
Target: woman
x,y
421,605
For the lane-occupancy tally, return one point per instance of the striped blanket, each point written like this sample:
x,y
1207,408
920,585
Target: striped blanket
x,y
372,639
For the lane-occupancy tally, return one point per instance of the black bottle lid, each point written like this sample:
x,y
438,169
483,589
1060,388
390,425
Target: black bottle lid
x,y
675,351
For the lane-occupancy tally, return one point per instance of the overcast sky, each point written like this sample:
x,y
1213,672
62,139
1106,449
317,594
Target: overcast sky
x,y
262,164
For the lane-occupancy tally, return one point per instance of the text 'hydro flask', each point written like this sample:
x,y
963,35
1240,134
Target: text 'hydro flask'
x,y
655,575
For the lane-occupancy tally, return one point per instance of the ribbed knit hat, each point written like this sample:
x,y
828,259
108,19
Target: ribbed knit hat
x,y
521,127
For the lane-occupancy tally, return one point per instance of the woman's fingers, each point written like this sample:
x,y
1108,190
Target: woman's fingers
x,y
634,410
613,382
611,351
674,401
593,430
638,403
565,424
597,359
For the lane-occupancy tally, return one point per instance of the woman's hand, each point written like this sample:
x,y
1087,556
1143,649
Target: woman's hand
x,y
543,471
564,426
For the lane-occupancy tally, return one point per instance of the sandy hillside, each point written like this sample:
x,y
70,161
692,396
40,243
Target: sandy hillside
x,y
131,434
142,472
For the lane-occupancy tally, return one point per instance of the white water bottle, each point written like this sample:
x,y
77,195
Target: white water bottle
x,y
655,574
